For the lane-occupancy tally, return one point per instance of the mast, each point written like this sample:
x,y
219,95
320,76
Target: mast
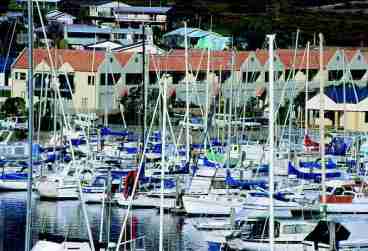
x,y
28,240
306,93
322,125
106,88
144,92
187,92
291,98
207,99
163,163
271,39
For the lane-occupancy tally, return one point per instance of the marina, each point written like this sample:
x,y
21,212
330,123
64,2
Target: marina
x,y
110,142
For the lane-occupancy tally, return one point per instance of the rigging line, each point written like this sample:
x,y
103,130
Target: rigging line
x,y
10,44
68,126
130,204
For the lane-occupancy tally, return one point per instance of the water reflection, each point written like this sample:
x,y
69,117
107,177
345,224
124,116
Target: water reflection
x,y
66,218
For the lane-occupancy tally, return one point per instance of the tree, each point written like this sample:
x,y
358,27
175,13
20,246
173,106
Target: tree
x,y
14,107
13,5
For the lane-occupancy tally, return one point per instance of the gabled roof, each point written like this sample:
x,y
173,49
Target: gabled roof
x,y
80,60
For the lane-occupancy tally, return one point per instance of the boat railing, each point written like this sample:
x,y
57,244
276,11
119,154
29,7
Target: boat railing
x,y
134,242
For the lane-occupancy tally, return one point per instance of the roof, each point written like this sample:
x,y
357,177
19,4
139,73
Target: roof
x,y
83,28
80,60
142,9
57,14
353,93
193,33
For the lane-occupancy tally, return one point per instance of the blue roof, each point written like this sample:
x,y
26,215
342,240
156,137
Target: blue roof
x,y
193,33
83,28
142,9
353,93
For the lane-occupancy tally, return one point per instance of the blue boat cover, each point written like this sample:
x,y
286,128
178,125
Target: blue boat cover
x,y
245,184
353,93
107,131
310,176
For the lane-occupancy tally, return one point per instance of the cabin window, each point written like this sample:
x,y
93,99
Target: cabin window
x,y
297,229
339,191
91,80
366,117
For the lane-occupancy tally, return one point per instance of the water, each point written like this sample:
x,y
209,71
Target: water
x,y
66,218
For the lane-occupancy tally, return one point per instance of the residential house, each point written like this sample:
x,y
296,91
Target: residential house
x,y
79,35
135,16
346,106
90,80
60,17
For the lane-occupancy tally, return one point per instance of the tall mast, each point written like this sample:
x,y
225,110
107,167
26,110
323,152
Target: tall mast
x,y
322,125
207,99
271,39
186,91
28,243
306,92
144,91
291,96
163,163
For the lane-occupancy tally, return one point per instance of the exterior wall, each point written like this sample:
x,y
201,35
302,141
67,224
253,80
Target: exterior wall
x,y
18,87
85,98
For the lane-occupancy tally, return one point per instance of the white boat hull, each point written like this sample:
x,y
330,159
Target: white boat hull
x,y
143,201
264,245
12,185
210,205
51,191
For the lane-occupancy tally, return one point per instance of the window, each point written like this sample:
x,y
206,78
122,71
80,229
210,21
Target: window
x,y
84,102
357,74
65,81
250,77
112,78
297,229
277,75
335,75
311,73
366,117
133,79
20,75
91,80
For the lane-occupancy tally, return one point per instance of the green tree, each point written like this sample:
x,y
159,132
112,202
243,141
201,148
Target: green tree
x,y
13,5
14,107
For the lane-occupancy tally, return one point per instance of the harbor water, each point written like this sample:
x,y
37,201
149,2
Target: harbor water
x,y
66,218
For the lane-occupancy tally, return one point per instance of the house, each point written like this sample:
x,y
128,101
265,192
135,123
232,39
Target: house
x,y
197,38
134,16
59,17
346,106
104,9
150,48
80,35
96,78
